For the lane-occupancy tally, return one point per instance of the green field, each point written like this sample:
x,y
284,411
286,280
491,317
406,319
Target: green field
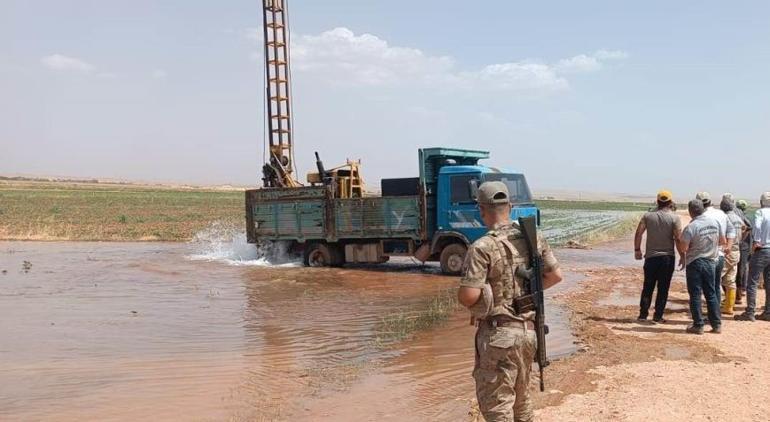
x,y
594,205
122,212
55,211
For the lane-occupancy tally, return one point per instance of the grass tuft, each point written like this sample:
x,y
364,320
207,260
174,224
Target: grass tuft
x,y
403,324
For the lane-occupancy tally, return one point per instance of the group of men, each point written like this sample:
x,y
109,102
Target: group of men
x,y
714,248
720,249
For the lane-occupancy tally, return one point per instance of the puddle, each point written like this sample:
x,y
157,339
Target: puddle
x,y
166,331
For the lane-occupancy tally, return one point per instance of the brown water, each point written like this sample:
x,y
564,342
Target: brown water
x,y
122,331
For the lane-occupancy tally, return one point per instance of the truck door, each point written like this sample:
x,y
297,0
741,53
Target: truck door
x,y
458,211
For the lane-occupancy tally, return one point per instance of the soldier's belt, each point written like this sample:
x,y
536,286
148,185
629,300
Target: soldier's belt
x,y
506,322
524,304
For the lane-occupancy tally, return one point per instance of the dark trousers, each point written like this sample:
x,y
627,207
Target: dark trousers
x,y
718,269
759,267
700,280
657,273
743,270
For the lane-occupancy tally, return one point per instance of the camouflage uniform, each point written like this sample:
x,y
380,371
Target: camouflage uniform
x,y
504,354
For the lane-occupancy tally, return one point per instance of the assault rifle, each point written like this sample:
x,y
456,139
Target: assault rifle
x,y
528,227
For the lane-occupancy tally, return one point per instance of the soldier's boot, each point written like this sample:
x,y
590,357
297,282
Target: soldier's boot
x,y
727,308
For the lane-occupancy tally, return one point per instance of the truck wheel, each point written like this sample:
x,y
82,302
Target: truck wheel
x,y
318,255
452,258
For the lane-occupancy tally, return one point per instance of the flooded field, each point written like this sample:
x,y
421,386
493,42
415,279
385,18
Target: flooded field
x,y
207,331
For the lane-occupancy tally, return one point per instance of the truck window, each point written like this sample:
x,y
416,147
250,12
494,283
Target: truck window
x,y
461,189
517,186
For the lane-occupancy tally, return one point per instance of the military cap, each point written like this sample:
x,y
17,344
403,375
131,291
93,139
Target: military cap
x,y
493,193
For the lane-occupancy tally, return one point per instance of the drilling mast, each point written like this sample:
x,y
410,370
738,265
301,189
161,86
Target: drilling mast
x,y
278,170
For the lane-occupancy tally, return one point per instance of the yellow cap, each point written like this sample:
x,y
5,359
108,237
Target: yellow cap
x,y
665,196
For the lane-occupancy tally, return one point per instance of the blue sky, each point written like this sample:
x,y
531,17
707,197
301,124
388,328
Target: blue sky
x,y
599,96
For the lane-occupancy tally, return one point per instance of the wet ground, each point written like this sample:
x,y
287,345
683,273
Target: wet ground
x,y
123,331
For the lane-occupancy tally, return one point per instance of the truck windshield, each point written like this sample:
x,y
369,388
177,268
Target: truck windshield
x,y
517,186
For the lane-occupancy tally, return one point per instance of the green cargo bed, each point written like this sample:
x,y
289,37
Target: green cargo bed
x,y
310,213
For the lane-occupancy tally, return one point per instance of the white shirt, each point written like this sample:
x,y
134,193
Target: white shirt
x,y
762,227
726,230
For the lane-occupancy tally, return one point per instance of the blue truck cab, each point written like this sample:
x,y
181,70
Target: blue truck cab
x,y
450,179
457,210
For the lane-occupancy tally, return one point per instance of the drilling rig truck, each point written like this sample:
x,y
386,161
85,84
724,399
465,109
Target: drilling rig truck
x,y
332,220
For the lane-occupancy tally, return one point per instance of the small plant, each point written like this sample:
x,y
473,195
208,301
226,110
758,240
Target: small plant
x,y
402,324
55,209
26,266
122,219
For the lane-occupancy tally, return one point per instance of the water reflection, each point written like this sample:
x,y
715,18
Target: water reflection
x,y
120,331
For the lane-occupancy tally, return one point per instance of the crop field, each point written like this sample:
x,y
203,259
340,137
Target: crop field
x,y
551,204
57,211
561,225
116,212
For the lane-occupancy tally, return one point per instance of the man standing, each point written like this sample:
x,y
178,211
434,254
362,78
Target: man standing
x,y
760,262
663,227
746,244
698,248
726,236
505,341
733,255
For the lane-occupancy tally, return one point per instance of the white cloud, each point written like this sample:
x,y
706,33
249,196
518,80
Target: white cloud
x,y
518,76
339,55
364,59
579,63
159,74
65,63
589,63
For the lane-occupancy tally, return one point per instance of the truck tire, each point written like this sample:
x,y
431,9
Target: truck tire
x,y
452,258
318,255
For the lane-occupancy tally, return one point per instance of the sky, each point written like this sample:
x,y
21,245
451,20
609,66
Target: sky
x,y
597,96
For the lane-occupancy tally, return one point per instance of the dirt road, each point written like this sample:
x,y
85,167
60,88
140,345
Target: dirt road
x,y
639,372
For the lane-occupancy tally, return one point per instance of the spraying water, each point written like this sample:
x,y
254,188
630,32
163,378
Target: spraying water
x,y
227,243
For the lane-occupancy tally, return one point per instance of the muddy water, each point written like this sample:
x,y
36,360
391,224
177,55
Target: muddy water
x,y
121,331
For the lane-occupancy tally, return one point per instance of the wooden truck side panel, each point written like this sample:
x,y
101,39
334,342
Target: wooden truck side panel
x,y
286,214
309,213
378,218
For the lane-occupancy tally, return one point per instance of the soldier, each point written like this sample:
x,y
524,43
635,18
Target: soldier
x,y
493,275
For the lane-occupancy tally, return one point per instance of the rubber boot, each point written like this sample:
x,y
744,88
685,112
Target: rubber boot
x,y
727,309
